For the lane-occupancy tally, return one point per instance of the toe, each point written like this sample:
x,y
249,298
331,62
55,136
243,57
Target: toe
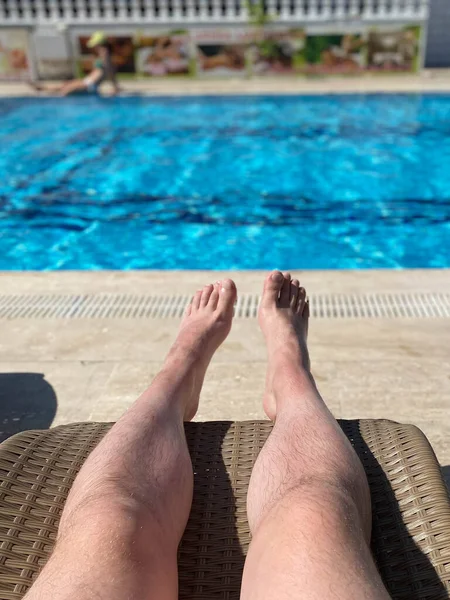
x,y
206,294
227,296
272,287
301,300
295,285
305,316
305,312
214,298
285,294
195,304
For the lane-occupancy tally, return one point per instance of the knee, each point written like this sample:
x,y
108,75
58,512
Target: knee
x,y
325,503
343,495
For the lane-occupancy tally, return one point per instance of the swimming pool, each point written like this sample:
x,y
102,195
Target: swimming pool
x,y
305,182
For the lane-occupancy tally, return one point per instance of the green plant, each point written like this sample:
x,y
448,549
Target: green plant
x,y
257,14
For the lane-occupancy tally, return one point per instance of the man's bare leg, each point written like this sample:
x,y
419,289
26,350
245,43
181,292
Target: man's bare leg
x,y
308,501
129,505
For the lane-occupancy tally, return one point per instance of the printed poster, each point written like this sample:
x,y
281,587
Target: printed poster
x,y
394,50
14,58
329,54
122,54
222,52
279,52
163,54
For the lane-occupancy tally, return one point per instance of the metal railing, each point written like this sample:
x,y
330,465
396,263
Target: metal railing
x,y
168,12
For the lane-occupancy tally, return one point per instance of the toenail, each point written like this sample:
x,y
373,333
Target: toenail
x,y
277,277
226,284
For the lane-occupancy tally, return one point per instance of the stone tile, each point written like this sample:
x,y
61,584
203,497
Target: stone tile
x,y
160,282
386,383
150,339
114,340
399,405
429,80
86,339
125,384
232,391
379,339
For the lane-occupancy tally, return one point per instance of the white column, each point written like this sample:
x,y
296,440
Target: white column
x,y
419,9
239,11
369,10
243,13
122,14
203,14
410,9
397,9
285,13
82,15
95,16
66,12
236,12
149,12
26,10
424,9
216,11
353,9
272,8
14,15
340,12
311,10
384,9
326,10
39,11
177,11
108,14
190,11
135,16
163,12
53,13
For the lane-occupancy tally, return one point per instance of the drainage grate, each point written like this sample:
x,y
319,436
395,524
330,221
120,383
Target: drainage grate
x,y
128,306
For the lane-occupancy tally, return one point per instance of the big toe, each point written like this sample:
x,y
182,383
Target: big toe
x,y
227,296
272,288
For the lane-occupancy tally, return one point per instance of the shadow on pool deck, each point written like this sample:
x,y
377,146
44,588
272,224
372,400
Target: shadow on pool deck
x,y
445,470
27,401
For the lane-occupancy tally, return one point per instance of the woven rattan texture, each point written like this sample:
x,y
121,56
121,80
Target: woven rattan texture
x,y
411,534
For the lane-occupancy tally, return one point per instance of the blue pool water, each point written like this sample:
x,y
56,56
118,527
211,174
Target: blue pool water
x,y
214,183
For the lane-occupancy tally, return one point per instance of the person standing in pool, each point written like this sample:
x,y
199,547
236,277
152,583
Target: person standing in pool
x,y
103,71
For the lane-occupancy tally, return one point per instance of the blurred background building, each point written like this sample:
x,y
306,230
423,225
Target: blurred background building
x,y
47,38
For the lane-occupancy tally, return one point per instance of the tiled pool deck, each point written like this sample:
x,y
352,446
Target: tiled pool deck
x,y
396,368
437,80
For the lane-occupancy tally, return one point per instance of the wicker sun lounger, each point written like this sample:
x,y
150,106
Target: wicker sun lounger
x,y
411,509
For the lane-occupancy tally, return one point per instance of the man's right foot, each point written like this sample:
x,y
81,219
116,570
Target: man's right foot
x,y
206,324
283,318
